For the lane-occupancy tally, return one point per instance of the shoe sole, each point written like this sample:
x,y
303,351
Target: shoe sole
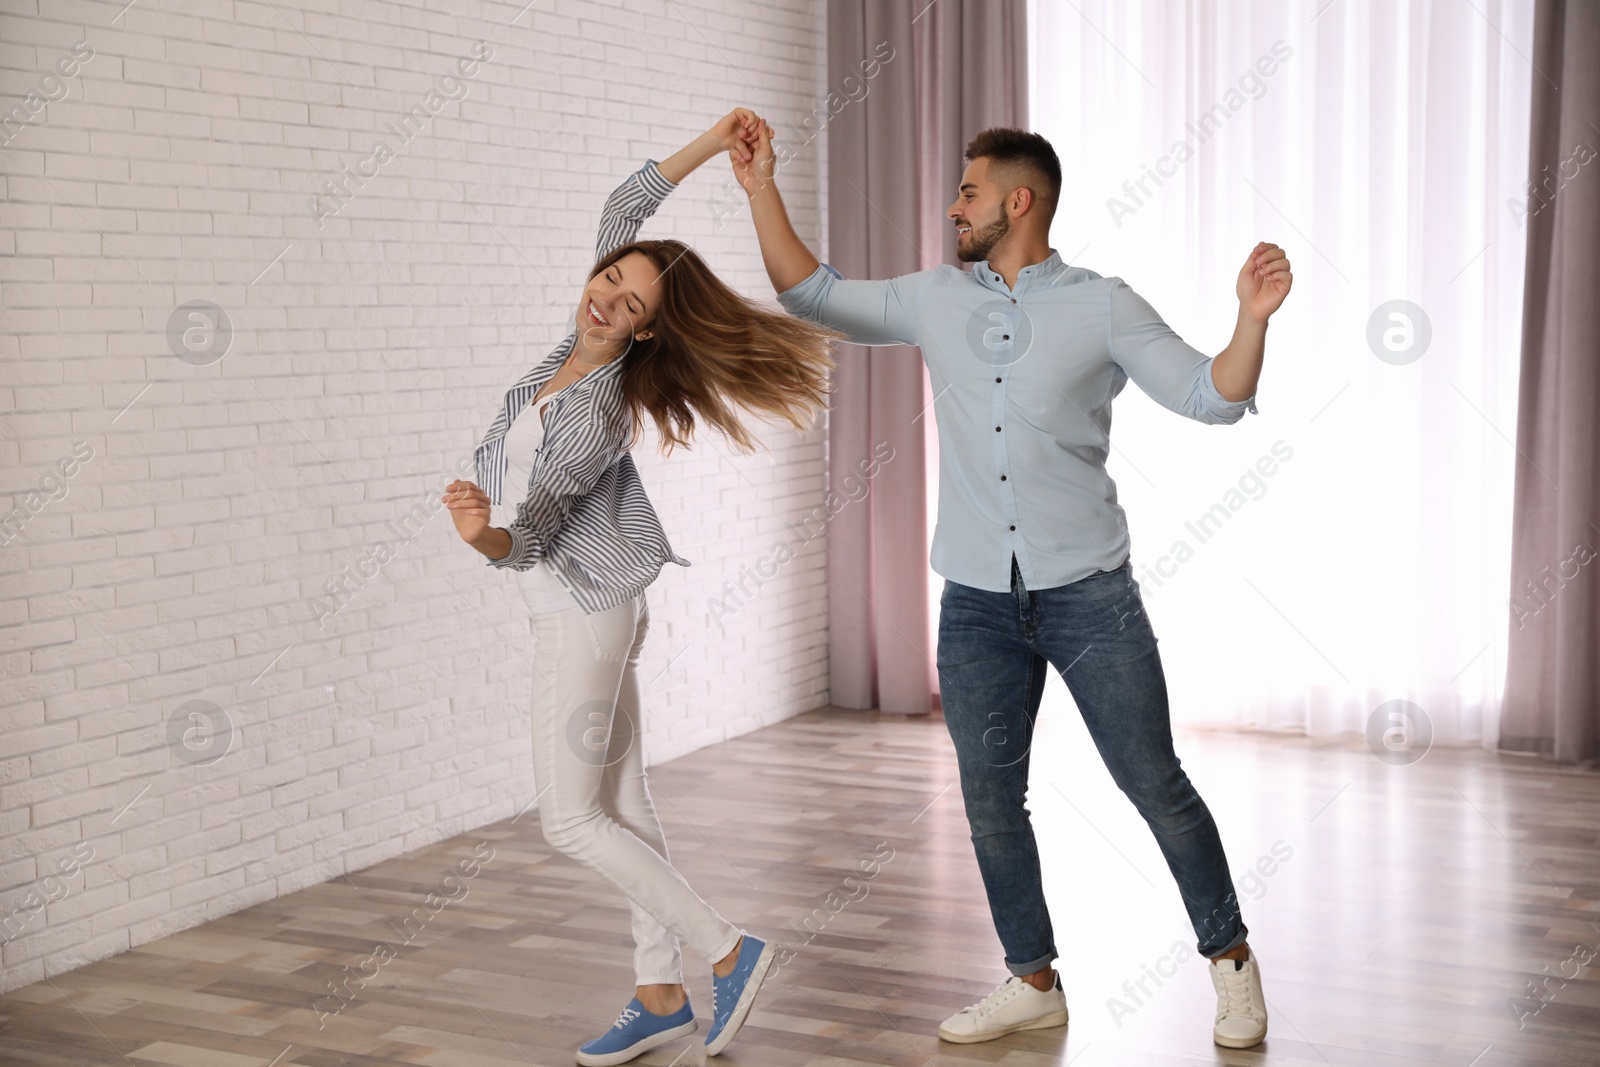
x,y
1044,1022
633,1052
1239,1042
747,999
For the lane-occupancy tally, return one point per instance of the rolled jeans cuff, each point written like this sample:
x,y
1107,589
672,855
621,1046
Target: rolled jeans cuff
x,y
1022,970
1239,939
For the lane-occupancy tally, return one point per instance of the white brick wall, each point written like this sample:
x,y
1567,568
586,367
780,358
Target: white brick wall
x,y
175,556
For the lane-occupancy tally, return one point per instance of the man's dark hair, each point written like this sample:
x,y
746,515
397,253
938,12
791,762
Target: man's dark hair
x,y
1009,146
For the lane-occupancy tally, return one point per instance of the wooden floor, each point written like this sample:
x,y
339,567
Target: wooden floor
x,y
1399,914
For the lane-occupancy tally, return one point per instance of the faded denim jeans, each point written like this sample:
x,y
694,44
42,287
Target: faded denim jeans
x,y
994,651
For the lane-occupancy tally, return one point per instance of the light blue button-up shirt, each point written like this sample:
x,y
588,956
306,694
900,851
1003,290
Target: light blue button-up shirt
x,y
1023,380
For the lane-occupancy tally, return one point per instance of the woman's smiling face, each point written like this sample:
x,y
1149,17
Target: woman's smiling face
x,y
620,302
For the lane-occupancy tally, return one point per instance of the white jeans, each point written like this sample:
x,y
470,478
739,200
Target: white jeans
x,y
594,803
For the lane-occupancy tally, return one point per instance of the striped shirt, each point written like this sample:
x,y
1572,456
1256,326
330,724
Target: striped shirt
x,y
586,513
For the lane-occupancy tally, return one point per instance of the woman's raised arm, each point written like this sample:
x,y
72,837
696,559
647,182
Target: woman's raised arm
x,y
729,134
641,192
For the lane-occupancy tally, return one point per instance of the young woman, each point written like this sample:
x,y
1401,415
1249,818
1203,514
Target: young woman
x,y
559,501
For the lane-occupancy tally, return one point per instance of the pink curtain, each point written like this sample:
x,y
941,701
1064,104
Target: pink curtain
x,y
1552,699
894,161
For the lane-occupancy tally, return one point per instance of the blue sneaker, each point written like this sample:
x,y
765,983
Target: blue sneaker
x,y
731,997
636,1032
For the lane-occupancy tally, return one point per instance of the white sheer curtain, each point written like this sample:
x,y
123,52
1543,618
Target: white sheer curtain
x,y
1384,145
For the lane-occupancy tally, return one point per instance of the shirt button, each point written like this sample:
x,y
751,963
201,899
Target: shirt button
x,y
1013,300
1002,477
1013,527
997,380
997,429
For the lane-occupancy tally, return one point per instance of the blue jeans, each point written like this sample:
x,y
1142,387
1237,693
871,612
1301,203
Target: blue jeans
x,y
994,650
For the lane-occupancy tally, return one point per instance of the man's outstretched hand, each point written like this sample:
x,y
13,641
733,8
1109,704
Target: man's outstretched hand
x,y
755,165
1264,281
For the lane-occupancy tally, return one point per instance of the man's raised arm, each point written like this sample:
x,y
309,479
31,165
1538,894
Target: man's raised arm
x,y
789,262
866,312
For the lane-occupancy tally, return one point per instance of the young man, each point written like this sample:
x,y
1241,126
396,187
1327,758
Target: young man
x,y
1025,353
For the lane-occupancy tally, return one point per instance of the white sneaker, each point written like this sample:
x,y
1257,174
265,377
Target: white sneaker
x,y
1014,1006
1241,1006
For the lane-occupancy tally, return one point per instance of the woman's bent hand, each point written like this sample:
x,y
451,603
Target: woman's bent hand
x,y
736,130
469,510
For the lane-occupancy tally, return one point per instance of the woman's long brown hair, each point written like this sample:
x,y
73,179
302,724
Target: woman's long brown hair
x,y
713,352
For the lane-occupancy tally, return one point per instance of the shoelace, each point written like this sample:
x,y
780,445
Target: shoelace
x,y
993,1001
627,1016
1236,991
715,981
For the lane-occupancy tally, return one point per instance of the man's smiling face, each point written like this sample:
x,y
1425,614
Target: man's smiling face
x,y
979,212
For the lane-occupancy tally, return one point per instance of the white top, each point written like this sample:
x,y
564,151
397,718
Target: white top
x,y
541,589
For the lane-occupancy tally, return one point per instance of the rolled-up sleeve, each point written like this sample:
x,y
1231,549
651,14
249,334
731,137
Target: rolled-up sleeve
x,y
1167,368
866,312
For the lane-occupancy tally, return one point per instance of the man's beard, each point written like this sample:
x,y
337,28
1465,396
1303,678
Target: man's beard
x,y
981,242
